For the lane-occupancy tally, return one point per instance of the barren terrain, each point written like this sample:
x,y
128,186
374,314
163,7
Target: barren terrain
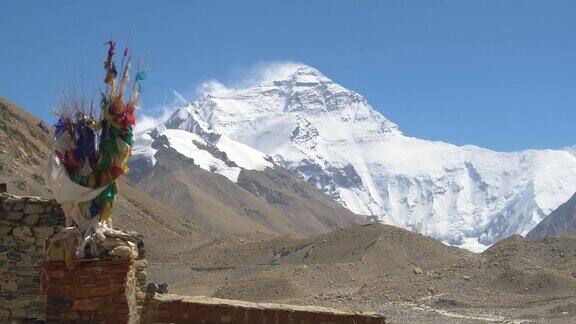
x,y
406,276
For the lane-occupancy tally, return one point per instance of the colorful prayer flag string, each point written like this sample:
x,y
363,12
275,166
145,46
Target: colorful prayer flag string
x,y
95,153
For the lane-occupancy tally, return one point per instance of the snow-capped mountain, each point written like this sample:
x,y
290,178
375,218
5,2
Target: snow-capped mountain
x,y
334,139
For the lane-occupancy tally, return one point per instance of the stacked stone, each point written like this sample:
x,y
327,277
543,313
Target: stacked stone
x,y
25,223
104,287
94,290
141,271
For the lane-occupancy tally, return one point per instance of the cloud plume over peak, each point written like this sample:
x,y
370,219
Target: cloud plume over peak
x,y
259,73
241,77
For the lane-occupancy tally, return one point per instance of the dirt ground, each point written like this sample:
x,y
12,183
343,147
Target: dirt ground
x,y
406,276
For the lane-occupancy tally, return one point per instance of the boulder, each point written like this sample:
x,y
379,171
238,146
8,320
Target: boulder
x,y
15,215
34,209
41,232
21,232
124,251
5,230
31,219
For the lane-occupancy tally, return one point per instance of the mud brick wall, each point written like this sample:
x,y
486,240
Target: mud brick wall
x,y
94,291
25,223
198,309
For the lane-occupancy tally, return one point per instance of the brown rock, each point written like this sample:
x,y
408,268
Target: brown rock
x,y
40,242
21,232
141,264
124,251
43,231
9,286
31,219
5,230
4,314
17,207
34,209
140,295
111,243
19,312
15,215
141,275
27,246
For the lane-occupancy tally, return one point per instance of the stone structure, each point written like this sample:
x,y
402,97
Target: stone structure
x,y
104,287
93,291
25,223
198,309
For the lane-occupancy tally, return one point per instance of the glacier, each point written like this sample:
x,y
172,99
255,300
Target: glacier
x,y
332,137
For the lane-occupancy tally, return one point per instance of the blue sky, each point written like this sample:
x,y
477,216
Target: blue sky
x,y
498,74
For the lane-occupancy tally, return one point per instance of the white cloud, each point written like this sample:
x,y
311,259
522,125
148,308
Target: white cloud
x,y
246,77
155,117
243,77
264,72
212,87
179,98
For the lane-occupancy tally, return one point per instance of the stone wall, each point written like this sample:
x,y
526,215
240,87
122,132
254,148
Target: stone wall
x,y
25,223
199,309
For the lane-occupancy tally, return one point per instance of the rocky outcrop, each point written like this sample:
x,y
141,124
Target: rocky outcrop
x,y
272,201
561,221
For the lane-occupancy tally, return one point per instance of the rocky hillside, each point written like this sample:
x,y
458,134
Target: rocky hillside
x,y
24,152
227,187
561,221
387,269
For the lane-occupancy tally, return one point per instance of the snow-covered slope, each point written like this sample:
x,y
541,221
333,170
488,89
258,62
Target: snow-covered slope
x,y
195,147
572,150
561,221
333,138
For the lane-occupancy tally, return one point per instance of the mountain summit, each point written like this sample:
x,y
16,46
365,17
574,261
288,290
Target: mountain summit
x,y
333,138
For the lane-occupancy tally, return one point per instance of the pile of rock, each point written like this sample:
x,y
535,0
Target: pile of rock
x,y
100,242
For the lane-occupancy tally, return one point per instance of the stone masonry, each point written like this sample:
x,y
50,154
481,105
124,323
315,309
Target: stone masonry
x,y
25,223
